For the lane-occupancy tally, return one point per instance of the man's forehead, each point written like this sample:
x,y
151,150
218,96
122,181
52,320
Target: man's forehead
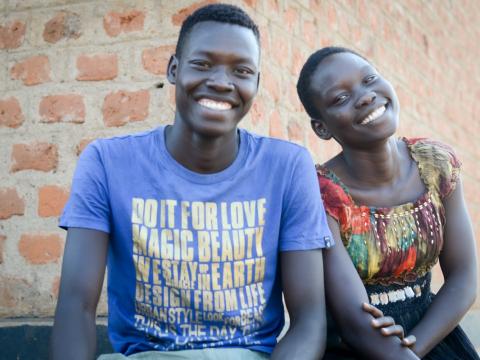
x,y
212,36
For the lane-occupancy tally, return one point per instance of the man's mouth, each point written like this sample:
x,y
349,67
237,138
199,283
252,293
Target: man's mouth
x,y
374,115
215,105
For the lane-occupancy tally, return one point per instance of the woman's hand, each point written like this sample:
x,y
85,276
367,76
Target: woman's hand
x,y
387,325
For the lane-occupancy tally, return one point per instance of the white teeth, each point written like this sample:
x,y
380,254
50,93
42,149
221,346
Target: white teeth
x,y
215,105
374,115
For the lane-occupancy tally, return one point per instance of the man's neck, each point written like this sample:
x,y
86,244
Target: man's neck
x,y
199,153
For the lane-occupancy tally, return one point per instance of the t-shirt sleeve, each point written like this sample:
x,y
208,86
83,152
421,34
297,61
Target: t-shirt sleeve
x,y
304,224
88,204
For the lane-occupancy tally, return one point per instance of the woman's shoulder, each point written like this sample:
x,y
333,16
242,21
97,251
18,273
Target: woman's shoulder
x,y
438,163
335,194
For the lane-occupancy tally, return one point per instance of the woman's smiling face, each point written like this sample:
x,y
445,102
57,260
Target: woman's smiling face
x,y
354,103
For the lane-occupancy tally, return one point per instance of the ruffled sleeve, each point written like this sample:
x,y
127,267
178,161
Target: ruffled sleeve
x,y
336,200
438,164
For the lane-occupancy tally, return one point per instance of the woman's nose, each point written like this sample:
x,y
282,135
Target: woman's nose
x,y
366,99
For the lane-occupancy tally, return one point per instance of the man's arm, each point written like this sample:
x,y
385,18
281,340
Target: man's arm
x,y
83,269
302,282
345,296
458,263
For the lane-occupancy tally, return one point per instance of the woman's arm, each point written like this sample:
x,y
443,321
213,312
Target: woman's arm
x,y
345,295
458,263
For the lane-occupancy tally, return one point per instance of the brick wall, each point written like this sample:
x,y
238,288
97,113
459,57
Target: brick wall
x,y
72,71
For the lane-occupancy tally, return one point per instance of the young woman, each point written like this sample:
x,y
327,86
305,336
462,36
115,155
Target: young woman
x,y
395,207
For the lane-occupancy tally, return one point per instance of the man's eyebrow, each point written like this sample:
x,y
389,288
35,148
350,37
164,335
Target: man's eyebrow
x,y
213,54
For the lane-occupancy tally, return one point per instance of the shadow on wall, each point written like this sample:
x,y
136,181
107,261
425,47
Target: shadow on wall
x,y
28,342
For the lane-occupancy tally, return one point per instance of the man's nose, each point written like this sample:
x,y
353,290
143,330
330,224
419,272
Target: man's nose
x,y
366,98
220,81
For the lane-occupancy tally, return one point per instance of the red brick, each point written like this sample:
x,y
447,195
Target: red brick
x,y
332,16
11,291
273,7
40,248
32,71
280,50
12,35
276,127
257,112
10,203
271,85
51,200
310,33
10,113
182,14
115,23
2,242
122,106
64,25
82,145
62,108
251,3
295,132
291,18
155,60
97,67
35,156
298,59
55,287
314,143
265,39
294,101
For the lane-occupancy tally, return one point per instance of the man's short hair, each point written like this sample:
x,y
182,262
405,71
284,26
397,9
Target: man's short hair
x,y
223,13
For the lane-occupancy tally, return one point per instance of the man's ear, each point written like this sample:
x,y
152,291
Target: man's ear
x,y
320,129
172,69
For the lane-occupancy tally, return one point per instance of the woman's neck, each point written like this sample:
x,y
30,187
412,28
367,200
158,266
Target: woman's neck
x,y
379,165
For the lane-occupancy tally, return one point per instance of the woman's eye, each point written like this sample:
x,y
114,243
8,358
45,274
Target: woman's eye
x,y
370,78
244,71
340,99
201,64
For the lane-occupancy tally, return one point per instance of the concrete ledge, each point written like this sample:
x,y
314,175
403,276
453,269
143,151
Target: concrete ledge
x,y
471,325
30,340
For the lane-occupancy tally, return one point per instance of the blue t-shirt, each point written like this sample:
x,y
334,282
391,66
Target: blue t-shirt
x,y
192,260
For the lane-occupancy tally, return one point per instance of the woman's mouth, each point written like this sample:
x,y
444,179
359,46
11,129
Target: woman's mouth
x,y
374,115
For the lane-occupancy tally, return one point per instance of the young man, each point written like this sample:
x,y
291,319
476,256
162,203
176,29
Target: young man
x,y
203,223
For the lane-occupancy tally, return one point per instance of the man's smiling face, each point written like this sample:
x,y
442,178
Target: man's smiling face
x,y
215,77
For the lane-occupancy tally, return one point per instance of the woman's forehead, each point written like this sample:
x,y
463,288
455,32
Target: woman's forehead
x,y
336,69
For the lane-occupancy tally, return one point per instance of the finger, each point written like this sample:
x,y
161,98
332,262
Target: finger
x,y
395,330
410,340
382,322
372,310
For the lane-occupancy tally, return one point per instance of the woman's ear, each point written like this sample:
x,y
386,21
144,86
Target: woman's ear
x,y
320,129
172,69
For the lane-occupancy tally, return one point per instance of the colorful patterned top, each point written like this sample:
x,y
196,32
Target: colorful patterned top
x,y
400,244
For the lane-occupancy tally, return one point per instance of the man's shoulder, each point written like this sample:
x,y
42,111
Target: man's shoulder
x,y
124,139
275,147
